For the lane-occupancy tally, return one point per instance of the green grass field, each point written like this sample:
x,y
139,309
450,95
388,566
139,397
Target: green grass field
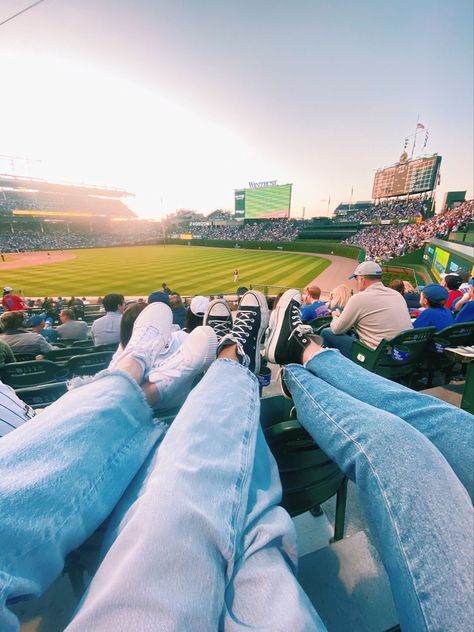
x,y
138,270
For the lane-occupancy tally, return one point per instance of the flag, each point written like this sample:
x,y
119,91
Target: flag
x,y
420,126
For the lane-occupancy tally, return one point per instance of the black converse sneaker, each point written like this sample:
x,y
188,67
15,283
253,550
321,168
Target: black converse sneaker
x,y
249,325
288,337
219,317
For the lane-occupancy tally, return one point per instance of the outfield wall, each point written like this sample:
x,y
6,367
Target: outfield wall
x,y
314,246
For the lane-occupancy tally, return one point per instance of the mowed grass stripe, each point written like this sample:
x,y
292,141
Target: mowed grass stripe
x,y
141,269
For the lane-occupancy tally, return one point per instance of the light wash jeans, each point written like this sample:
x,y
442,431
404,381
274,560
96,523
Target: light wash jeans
x,y
411,457
198,541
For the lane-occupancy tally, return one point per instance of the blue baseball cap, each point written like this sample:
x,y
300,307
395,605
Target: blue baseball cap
x,y
159,297
435,292
35,320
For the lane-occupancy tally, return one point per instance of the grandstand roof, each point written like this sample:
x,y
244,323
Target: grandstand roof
x,y
23,182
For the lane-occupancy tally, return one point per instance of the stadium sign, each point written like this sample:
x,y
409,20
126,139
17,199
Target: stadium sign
x,y
266,183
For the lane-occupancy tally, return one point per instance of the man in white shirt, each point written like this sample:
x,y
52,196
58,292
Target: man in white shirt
x,y
13,412
106,330
377,312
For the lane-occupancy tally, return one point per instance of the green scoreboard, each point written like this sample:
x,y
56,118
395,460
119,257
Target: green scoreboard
x,y
263,200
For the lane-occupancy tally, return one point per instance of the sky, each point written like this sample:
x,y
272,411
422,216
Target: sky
x,y
182,101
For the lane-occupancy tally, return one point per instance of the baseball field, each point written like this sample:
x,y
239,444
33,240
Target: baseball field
x,y
138,270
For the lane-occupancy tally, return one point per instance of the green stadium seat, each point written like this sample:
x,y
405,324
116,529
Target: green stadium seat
x,y
395,359
25,357
467,402
319,323
58,355
22,374
308,476
458,335
88,363
43,395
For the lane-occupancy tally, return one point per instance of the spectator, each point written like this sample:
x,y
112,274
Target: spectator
x,y
465,306
12,302
70,328
106,330
195,314
77,305
311,302
19,339
13,411
452,282
338,298
411,296
178,309
435,314
159,297
375,313
6,355
37,324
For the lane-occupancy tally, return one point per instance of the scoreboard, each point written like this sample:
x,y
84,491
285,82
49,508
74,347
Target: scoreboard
x,y
263,200
406,178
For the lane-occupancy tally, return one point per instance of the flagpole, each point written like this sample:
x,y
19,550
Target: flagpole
x,y
414,137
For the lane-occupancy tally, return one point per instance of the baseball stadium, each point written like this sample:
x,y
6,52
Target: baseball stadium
x,y
233,395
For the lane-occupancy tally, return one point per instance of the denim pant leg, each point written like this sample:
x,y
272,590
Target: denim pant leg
x,y
61,475
178,546
263,593
450,429
342,342
419,513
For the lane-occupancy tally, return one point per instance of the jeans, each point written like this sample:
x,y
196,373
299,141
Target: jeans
x,y
342,342
411,458
198,541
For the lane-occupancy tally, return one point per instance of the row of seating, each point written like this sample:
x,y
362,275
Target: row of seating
x,y
63,352
412,353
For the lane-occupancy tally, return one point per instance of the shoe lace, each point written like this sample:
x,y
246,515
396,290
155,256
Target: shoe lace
x,y
221,327
300,330
243,326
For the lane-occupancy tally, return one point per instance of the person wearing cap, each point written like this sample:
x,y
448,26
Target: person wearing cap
x,y
196,312
70,328
106,330
453,282
37,324
12,302
375,313
433,299
179,310
19,339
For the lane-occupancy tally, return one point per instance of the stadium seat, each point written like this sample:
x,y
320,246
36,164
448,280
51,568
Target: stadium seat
x,y
58,355
319,323
467,402
111,346
397,358
458,335
22,374
43,395
82,343
308,476
25,357
88,363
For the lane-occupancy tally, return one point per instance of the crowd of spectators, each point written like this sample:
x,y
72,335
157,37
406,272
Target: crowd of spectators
x,y
27,240
270,230
386,242
387,211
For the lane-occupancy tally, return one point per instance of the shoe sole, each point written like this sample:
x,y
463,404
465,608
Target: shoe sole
x,y
264,318
285,300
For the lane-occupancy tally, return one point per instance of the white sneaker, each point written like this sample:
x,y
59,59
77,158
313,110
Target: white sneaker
x,y
151,334
174,377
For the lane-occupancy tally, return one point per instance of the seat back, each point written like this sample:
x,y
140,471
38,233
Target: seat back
x,y
319,323
82,343
43,395
25,357
458,335
21,374
88,363
308,476
467,402
58,355
395,358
